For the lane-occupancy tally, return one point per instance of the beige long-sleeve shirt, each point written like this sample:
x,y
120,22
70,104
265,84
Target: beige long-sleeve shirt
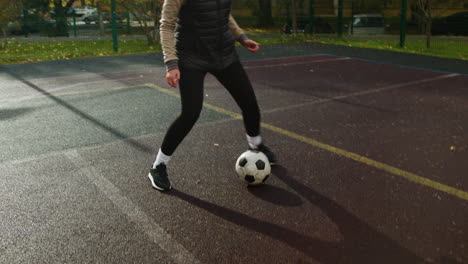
x,y
169,15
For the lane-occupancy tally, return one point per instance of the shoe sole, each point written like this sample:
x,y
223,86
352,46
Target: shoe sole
x,y
156,186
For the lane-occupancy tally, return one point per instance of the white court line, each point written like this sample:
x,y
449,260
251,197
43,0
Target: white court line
x,y
154,231
385,88
20,99
295,63
285,58
28,97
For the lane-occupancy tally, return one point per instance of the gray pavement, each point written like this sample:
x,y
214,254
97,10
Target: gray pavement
x,y
371,162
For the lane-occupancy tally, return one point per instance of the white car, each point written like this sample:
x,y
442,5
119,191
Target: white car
x,y
367,24
83,10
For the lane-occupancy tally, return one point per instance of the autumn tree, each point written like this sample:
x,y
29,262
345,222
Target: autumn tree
x,y
367,6
61,9
9,9
291,6
36,4
147,13
424,13
265,17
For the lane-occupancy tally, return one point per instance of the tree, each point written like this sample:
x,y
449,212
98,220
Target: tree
x,y
294,15
147,13
61,16
367,6
264,13
99,6
9,9
291,7
261,10
285,7
36,4
60,9
424,13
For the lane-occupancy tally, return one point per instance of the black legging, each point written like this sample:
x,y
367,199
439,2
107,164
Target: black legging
x,y
234,79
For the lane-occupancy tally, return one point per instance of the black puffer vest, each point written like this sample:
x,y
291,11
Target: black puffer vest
x,y
204,39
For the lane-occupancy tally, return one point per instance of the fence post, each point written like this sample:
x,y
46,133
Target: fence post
x,y
288,19
128,24
74,23
311,16
352,18
340,18
404,6
25,23
114,27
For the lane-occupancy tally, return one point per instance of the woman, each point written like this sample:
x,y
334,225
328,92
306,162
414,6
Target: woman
x,y
198,37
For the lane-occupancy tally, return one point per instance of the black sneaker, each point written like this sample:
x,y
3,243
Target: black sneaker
x,y
158,178
269,153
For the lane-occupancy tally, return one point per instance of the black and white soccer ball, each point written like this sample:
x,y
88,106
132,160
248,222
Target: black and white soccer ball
x,y
253,167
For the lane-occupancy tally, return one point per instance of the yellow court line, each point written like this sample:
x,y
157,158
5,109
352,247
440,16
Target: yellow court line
x,y
350,155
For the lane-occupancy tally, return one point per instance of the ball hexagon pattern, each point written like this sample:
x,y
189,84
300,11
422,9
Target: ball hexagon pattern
x,y
253,167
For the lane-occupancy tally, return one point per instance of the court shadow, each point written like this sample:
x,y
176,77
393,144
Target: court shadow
x,y
448,260
116,133
275,195
13,113
292,238
361,244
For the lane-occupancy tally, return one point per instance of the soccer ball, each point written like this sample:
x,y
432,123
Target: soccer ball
x,y
253,167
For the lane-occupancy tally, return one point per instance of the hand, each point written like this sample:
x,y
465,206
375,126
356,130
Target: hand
x,y
251,45
173,77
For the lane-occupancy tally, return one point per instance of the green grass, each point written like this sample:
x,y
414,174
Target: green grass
x,y
23,52
439,48
45,51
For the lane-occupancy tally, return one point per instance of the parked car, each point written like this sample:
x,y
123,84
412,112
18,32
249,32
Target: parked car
x,y
456,24
320,26
83,10
367,24
94,17
17,26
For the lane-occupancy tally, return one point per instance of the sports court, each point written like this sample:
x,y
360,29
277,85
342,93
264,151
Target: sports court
x,y
373,165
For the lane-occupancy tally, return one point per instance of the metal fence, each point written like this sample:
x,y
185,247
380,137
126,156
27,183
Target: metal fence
x,y
397,23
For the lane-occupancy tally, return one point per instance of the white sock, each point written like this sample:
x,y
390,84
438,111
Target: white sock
x,y
254,142
161,158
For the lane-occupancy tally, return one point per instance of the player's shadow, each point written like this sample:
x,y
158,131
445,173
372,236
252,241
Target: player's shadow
x,y
361,243
447,260
13,113
275,195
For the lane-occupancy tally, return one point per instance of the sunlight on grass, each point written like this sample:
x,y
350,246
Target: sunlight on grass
x,y
18,52
439,48
23,52
270,31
